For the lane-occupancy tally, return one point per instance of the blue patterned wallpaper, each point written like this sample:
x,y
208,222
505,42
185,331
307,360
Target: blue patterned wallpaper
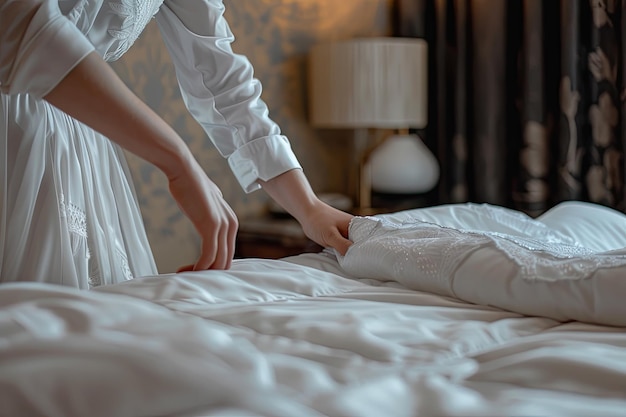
x,y
276,36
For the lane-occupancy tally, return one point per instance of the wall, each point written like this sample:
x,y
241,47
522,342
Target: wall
x,y
276,36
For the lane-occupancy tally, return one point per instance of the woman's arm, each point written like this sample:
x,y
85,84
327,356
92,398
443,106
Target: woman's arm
x,y
219,88
221,92
93,94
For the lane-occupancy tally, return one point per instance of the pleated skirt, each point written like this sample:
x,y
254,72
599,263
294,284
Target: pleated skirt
x,y
69,214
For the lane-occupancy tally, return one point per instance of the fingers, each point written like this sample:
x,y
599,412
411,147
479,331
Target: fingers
x,y
207,257
203,203
231,241
339,243
329,228
218,248
226,242
221,252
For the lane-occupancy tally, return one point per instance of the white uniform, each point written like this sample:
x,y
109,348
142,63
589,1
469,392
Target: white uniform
x,y
68,211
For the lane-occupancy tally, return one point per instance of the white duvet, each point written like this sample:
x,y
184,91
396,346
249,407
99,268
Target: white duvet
x,y
299,337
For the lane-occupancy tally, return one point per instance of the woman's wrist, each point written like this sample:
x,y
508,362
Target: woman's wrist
x,y
292,191
176,162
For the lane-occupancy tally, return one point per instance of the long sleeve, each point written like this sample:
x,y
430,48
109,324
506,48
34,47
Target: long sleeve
x,y
220,91
38,46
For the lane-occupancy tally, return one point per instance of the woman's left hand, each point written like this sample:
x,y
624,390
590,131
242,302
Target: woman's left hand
x,y
325,225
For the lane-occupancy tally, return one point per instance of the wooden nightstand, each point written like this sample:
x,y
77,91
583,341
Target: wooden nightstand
x,y
272,238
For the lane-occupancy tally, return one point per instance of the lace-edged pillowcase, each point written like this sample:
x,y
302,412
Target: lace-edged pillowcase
x,y
550,276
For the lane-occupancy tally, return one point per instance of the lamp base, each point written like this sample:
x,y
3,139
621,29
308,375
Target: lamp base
x,y
403,164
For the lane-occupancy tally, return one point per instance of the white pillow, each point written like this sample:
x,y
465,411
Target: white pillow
x,y
493,256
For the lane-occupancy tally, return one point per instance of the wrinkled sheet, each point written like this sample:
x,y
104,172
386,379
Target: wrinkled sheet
x,y
297,337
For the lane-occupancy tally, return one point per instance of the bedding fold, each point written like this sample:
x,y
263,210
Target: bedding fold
x,y
512,262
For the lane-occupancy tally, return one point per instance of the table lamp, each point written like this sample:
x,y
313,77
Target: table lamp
x,y
376,83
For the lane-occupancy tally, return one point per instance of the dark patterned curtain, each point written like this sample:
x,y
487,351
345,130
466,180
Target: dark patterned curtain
x,y
527,98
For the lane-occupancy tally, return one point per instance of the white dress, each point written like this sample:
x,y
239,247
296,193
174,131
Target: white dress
x,y
68,211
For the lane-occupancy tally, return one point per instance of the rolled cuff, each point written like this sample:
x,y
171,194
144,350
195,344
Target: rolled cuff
x,y
262,159
49,55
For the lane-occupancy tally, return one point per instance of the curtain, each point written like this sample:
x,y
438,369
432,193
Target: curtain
x,y
526,99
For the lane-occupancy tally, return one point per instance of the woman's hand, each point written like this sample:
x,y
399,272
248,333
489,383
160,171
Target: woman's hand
x,y
327,226
322,223
201,200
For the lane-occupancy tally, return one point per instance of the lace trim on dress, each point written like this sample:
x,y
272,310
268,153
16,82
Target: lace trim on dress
x,y
75,217
125,267
135,16
95,275
76,221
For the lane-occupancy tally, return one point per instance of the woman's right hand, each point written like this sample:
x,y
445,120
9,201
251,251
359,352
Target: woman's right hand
x,y
202,201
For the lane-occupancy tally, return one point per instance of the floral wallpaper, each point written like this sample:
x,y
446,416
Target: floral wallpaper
x,y
276,36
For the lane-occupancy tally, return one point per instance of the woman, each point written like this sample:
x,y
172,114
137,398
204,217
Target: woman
x,y
69,214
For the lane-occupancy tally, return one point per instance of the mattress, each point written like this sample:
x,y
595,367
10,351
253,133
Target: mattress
x,y
303,336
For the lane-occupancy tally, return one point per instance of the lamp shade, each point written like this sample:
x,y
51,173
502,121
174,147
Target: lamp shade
x,y
369,82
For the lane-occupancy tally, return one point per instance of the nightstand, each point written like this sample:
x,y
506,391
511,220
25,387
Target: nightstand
x,y
273,238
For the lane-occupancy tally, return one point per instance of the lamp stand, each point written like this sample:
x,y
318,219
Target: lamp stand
x,y
362,179
365,142
365,188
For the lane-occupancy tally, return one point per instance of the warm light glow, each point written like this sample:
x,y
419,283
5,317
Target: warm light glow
x,y
325,18
369,82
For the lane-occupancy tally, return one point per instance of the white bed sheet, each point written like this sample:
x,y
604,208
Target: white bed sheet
x,y
281,338
295,337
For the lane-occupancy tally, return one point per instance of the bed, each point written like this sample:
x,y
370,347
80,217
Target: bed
x,y
461,310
